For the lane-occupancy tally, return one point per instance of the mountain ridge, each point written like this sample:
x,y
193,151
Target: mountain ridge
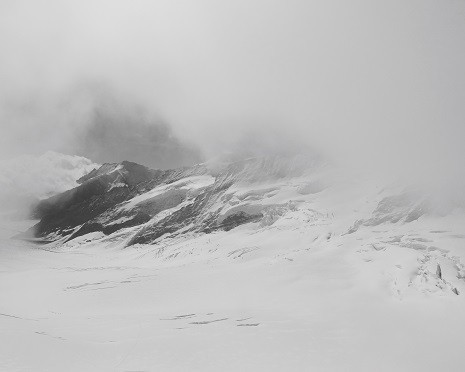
x,y
292,204
95,203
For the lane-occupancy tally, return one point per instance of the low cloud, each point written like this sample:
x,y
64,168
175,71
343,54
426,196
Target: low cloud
x,y
374,85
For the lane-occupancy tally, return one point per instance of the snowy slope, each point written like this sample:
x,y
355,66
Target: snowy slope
x,y
270,197
136,195
335,272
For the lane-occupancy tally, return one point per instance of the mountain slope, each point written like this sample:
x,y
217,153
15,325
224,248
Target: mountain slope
x,y
130,205
262,264
122,195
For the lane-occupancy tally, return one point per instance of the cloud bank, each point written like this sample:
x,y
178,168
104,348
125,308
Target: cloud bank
x,y
376,84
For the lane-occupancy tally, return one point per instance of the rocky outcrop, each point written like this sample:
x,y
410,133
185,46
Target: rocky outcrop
x,y
405,207
75,212
122,195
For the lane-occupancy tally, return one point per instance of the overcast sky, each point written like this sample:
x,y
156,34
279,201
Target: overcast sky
x,y
379,83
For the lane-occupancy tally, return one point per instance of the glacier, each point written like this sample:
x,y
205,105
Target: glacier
x,y
262,264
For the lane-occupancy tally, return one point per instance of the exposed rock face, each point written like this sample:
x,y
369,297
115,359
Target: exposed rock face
x,y
74,212
405,207
439,272
149,205
118,196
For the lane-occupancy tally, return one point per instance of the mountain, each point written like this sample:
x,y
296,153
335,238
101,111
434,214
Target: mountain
x,y
29,178
130,205
291,263
123,195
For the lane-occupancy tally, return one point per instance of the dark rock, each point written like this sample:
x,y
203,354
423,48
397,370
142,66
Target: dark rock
x,y
239,218
99,202
439,272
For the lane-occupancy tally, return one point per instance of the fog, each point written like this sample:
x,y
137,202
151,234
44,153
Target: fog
x,y
377,85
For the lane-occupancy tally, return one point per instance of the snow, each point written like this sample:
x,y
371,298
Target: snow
x,y
298,294
189,183
116,185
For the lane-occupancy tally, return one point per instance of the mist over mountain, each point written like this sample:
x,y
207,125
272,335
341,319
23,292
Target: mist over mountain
x,y
27,179
115,131
114,139
378,84
234,185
